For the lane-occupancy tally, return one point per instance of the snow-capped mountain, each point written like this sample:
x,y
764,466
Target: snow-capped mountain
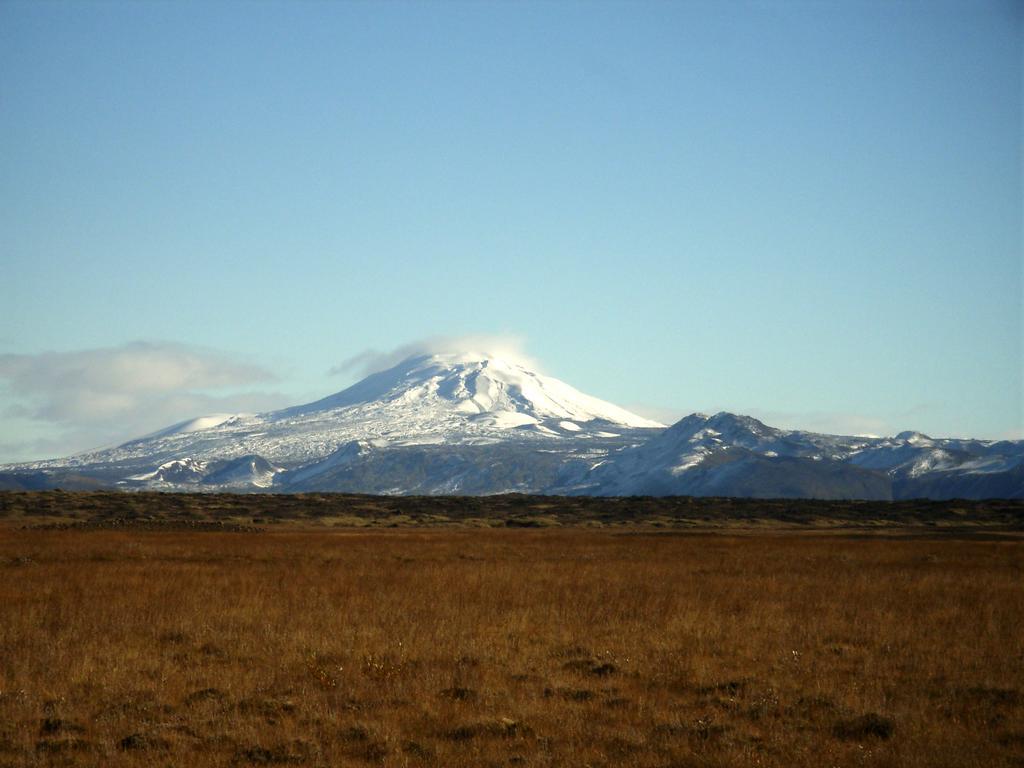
x,y
426,406
425,400
478,424
729,455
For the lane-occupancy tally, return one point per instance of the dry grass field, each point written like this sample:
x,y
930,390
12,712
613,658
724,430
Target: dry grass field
x,y
480,647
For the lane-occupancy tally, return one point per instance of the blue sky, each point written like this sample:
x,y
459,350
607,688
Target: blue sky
x,y
810,212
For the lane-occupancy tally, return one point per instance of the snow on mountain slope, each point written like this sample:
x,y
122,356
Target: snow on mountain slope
x,y
738,455
174,472
192,425
346,454
440,399
243,472
474,385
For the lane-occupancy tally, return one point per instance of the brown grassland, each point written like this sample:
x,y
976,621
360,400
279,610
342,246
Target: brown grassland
x,y
477,646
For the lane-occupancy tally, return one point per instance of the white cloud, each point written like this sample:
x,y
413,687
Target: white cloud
x,y
371,360
94,397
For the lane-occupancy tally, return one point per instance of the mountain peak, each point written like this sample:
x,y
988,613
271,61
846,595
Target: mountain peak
x,y
475,385
914,438
731,421
722,423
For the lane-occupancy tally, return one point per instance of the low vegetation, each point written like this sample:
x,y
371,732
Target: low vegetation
x,y
194,511
477,647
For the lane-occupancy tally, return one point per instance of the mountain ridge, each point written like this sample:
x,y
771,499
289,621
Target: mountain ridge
x,y
472,423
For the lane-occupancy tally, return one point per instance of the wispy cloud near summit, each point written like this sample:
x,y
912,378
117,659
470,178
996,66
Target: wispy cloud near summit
x,y
509,347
